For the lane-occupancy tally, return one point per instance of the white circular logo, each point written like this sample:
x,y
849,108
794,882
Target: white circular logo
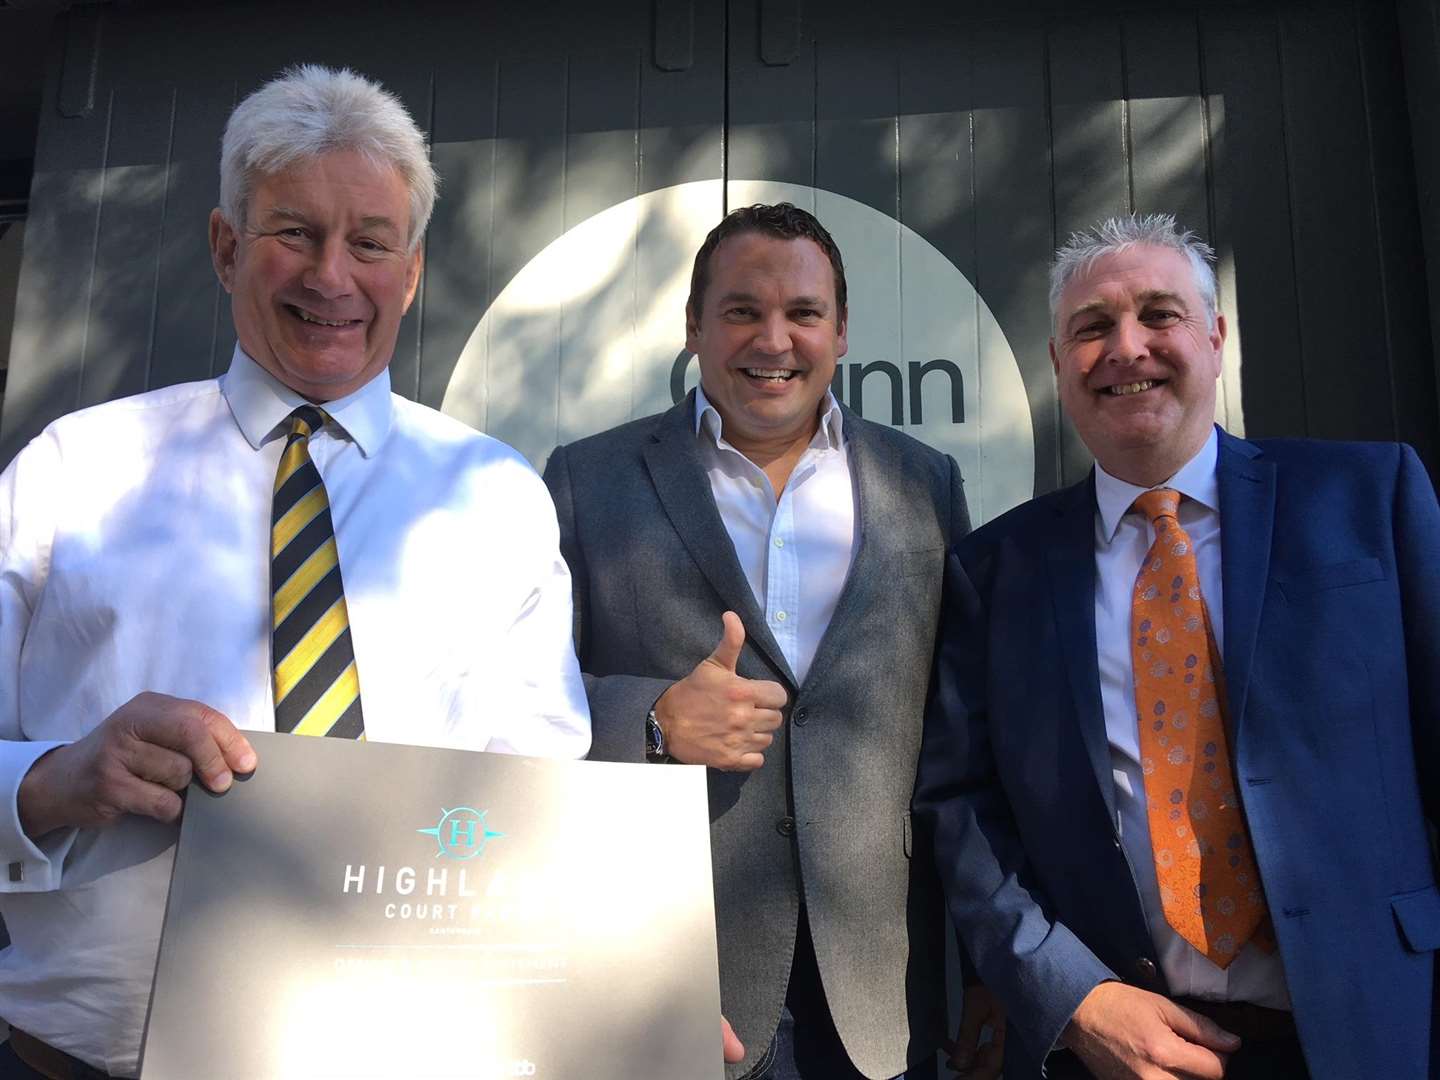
x,y
591,334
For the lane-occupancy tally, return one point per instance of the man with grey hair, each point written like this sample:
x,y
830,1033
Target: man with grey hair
x,y
1183,745
171,569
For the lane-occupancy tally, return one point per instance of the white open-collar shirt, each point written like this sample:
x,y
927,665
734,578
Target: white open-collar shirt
x,y
795,550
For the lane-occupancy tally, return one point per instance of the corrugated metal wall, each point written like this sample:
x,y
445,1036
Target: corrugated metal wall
x,y
1278,130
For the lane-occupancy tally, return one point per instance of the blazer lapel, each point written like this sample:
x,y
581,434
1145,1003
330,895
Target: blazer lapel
x,y
1247,520
684,491
878,479
1071,556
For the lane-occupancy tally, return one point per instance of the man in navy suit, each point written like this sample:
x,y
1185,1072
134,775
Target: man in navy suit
x,y
1317,570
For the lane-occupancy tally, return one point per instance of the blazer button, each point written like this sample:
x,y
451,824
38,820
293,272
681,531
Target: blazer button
x,y
802,716
1145,972
785,826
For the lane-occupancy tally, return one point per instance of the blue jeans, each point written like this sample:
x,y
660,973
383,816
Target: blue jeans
x,y
806,1044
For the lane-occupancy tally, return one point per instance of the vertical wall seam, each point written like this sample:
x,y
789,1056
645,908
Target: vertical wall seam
x,y
1057,422
1127,136
1288,157
160,242
95,249
564,225
1207,153
1380,263
725,108
490,240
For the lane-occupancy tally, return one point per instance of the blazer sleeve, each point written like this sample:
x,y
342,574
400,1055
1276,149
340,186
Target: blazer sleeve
x,y
959,508
618,703
1417,556
1035,965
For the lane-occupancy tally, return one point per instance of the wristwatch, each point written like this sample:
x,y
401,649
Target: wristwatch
x,y
654,739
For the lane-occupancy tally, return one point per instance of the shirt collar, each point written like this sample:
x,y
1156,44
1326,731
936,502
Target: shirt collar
x,y
829,435
260,404
1195,480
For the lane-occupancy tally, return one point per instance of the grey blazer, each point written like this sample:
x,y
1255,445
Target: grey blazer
x,y
653,570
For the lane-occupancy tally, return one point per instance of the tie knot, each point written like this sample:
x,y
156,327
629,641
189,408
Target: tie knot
x,y
1159,503
306,420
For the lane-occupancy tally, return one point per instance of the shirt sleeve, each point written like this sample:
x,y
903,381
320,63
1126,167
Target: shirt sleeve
x,y
548,716
28,490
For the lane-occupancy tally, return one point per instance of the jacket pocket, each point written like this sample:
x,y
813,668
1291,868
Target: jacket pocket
x,y
1417,914
1331,576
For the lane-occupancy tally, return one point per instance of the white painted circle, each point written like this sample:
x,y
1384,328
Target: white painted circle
x,y
588,336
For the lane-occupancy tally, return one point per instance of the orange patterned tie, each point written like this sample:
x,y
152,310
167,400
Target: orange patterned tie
x,y
1209,886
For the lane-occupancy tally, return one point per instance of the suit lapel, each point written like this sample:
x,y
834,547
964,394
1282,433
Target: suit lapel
x,y
1071,556
878,480
1247,520
684,491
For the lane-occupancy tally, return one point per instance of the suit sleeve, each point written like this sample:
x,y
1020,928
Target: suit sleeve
x,y
959,508
1417,556
1035,965
618,703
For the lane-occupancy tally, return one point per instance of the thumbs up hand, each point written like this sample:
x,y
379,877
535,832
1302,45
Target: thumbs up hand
x,y
717,718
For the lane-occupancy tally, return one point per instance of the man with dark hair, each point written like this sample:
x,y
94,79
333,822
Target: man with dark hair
x,y
810,542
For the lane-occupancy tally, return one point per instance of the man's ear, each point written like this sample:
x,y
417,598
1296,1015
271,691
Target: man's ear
x,y
223,243
1054,360
842,327
412,274
692,330
1217,341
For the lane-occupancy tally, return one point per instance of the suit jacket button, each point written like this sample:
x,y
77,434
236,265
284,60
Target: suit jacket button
x,y
785,826
802,716
1145,972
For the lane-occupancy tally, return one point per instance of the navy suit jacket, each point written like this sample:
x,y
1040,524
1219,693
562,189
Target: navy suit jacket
x,y
1331,565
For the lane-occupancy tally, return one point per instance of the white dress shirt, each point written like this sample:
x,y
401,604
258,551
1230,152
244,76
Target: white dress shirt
x,y
134,555
796,551
1122,539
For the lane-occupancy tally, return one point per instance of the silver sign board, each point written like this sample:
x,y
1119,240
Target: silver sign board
x,y
370,910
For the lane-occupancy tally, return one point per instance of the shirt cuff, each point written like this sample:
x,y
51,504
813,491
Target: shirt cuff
x,y
26,866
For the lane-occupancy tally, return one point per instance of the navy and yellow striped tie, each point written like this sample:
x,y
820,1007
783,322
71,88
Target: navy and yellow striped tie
x,y
317,690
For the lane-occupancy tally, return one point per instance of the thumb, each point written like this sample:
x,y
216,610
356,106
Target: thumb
x,y
732,640
1192,1027
734,1049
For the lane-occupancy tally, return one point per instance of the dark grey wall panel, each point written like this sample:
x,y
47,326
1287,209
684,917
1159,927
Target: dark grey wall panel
x,y
1398,223
992,129
1346,382
1241,58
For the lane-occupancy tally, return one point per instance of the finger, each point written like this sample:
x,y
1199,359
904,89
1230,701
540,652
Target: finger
x,y
186,727
732,640
766,720
1194,1028
157,765
765,694
734,1049
748,762
1196,1062
132,795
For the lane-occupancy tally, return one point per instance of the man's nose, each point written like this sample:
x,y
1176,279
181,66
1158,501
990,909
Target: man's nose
x,y
1128,342
328,273
773,336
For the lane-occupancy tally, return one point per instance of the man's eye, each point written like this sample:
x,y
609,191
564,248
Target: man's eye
x,y
1092,330
1162,318
372,247
294,232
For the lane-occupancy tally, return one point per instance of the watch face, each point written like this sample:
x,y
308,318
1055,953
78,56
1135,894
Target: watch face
x,y
654,738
